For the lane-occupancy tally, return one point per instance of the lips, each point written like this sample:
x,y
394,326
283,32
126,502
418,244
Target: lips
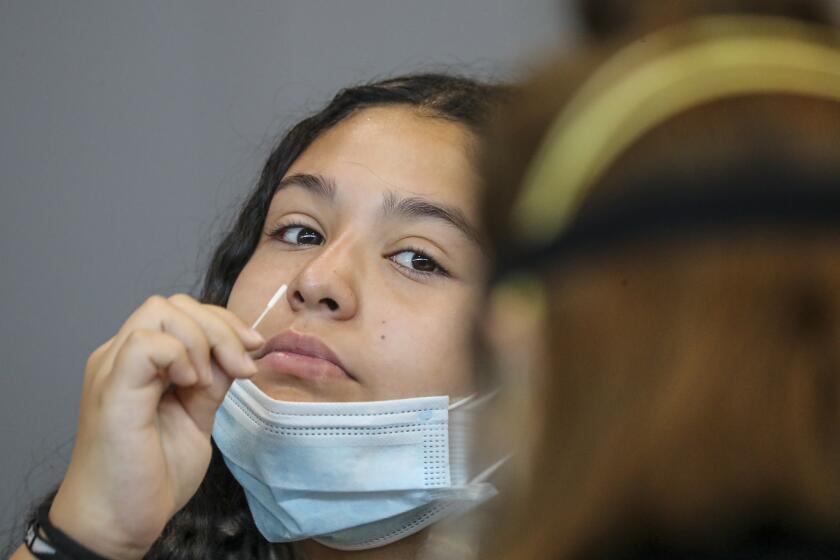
x,y
302,356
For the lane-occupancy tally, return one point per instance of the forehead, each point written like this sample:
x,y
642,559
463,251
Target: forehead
x,y
395,149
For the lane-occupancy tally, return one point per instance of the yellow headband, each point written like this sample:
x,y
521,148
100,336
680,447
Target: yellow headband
x,y
732,56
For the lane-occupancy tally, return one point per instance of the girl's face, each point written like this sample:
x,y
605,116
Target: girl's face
x,y
372,228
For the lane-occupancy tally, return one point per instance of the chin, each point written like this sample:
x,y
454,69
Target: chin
x,y
295,390
293,394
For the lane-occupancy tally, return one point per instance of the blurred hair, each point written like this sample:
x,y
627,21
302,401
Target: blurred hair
x,y
693,385
216,523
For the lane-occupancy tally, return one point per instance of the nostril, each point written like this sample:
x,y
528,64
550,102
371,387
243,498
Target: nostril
x,y
331,303
298,297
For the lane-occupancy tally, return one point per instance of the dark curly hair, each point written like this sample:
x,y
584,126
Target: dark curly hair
x,y
216,522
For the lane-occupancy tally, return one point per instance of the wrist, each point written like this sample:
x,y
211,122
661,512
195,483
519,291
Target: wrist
x,y
93,531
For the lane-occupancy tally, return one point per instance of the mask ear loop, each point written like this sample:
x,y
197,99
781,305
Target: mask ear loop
x,y
489,471
473,401
462,402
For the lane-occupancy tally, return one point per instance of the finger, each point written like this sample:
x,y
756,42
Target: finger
x,y
151,360
226,345
201,403
145,367
159,314
95,360
92,368
250,337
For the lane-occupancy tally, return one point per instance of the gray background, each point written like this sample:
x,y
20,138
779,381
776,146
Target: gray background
x,y
129,131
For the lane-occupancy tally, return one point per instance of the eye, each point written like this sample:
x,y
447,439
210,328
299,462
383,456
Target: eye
x,y
298,235
417,261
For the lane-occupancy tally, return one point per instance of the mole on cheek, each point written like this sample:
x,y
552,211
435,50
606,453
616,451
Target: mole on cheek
x,y
382,337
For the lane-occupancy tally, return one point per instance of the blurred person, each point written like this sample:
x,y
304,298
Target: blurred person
x,y
337,435
673,226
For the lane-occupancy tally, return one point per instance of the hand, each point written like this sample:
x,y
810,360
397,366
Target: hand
x,y
143,442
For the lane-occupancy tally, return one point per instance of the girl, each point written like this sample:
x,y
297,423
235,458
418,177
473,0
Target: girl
x,y
366,212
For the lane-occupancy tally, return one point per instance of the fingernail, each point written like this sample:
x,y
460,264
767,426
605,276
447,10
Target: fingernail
x,y
248,363
256,336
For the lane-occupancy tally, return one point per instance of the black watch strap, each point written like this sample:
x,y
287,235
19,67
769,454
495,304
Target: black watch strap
x,y
54,544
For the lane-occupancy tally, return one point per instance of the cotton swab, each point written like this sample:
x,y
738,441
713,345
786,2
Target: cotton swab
x,y
281,291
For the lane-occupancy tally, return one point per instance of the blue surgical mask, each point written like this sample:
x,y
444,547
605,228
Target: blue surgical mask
x,y
353,475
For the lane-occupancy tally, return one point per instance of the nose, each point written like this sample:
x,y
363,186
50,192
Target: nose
x,y
326,286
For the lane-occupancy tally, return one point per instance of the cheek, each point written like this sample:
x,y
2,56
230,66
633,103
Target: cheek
x,y
252,288
430,353
237,302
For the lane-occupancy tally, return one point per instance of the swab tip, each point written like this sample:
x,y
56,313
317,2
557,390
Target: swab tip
x,y
281,291
274,299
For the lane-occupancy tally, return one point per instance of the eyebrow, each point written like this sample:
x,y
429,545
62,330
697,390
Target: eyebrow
x,y
319,185
392,204
417,207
